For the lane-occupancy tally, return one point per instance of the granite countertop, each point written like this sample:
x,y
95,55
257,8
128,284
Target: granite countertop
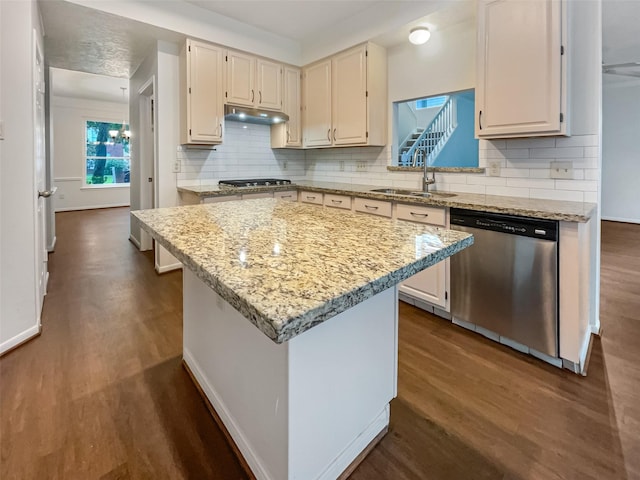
x,y
288,266
527,207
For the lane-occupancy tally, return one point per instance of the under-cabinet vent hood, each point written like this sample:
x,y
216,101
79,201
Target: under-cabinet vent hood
x,y
253,115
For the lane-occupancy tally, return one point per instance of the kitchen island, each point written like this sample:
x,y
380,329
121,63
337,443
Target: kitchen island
x,y
305,393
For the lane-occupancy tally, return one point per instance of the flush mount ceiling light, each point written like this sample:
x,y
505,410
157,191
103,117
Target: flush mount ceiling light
x,y
419,35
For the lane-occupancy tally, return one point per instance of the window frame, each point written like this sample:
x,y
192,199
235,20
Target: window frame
x,y
85,157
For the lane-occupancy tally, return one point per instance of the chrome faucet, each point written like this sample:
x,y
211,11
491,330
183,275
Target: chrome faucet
x,y
426,181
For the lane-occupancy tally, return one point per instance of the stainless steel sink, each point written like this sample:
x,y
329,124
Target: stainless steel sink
x,y
413,193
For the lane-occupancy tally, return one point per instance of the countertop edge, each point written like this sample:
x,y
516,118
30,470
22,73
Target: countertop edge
x,y
451,202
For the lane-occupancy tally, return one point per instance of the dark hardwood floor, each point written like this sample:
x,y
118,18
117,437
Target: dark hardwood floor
x,y
102,394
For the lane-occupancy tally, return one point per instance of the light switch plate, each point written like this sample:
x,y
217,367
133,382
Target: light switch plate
x,y
562,170
176,166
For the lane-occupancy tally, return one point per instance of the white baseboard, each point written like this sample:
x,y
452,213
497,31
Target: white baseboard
x,y
223,412
135,241
92,207
20,338
168,268
621,219
584,350
52,246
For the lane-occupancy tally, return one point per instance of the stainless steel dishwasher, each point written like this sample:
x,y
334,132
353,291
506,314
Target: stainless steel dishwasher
x,y
507,281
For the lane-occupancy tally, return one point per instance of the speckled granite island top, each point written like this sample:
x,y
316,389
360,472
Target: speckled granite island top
x,y
288,266
527,207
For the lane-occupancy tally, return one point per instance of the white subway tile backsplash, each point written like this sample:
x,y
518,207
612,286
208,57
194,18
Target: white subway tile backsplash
x,y
549,194
494,181
565,152
577,141
525,165
530,183
530,142
591,197
582,185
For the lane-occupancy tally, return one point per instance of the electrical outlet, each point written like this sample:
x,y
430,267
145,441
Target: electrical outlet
x,y
494,168
361,166
562,170
342,165
284,165
176,166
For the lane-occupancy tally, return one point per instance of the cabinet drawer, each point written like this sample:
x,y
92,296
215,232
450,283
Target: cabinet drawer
x,y
227,198
288,195
417,213
337,201
374,207
311,197
249,196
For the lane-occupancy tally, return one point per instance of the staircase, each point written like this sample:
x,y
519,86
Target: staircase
x,y
425,145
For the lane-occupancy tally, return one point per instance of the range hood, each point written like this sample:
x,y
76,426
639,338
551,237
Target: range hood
x,y
253,115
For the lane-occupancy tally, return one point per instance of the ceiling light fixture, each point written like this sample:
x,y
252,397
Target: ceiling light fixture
x,y
419,35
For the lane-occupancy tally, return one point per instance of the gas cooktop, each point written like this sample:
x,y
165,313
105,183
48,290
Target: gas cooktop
x,y
254,182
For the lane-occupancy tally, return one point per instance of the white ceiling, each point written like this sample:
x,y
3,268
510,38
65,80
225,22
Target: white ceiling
x,y
68,83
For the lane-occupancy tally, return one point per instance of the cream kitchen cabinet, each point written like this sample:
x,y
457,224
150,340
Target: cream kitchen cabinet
x,y
345,99
289,134
253,82
316,100
201,85
521,69
429,285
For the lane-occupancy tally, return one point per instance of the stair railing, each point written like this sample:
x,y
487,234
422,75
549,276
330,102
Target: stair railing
x,y
429,144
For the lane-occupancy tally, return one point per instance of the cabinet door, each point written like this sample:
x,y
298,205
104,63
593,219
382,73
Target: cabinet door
x,y
240,79
428,285
269,85
349,87
520,76
204,95
317,105
291,106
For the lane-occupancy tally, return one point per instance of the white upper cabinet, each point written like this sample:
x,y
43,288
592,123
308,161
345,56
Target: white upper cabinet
x,y
521,69
317,104
289,134
349,96
201,84
253,82
345,99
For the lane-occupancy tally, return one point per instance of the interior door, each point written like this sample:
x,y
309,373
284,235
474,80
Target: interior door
x,y
40,182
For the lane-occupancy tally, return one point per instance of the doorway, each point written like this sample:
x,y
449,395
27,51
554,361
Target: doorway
x,y
148,144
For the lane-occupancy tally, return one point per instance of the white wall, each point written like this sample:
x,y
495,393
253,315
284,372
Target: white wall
x,y
19,318
68,117
621,150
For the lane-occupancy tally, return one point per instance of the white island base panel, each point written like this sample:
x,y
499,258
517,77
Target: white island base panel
x,y
303,409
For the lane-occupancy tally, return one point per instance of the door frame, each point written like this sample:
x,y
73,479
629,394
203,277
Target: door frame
x,y
148,121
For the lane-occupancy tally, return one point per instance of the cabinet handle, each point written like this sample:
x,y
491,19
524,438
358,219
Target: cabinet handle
x,y
334,134
288,136
286,196
260,93
220,134
336,201
371,207
252,96
310,197
480,119
416,214
329,134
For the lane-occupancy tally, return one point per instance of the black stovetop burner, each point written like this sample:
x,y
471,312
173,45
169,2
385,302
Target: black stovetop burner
x,y
254,182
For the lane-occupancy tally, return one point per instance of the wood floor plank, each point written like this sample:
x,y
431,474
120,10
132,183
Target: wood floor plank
x,y
102,394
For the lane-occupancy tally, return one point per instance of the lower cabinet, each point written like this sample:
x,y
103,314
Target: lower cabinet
x,y
429,285
311,197
337,201
290,195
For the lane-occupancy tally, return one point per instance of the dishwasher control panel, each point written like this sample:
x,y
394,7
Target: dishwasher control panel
x,y
510,224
